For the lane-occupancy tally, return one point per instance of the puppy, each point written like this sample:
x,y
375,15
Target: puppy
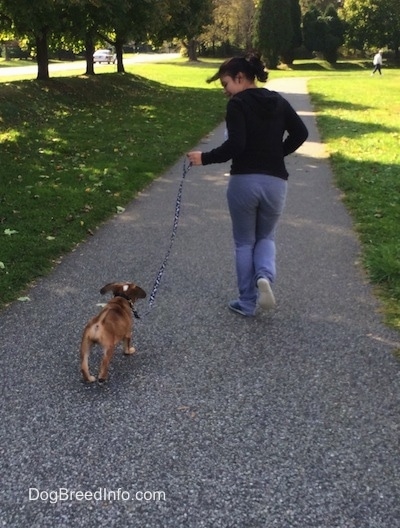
x,y
112,325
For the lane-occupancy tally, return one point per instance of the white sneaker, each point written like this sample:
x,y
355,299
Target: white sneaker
x,y
266,299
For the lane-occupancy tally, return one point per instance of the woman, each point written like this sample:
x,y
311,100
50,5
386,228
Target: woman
x,y
257,120
377,62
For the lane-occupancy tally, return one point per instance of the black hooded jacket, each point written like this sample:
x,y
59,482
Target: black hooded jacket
x,y
262,129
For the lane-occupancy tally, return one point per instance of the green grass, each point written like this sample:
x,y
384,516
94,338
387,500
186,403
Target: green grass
x,y
14,63
163,72
179,72
358,117
74,150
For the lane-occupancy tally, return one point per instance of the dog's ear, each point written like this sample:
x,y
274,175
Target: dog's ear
x,y
128,288
137,293
112,286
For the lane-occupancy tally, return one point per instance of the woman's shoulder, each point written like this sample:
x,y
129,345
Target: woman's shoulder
x,y
258,94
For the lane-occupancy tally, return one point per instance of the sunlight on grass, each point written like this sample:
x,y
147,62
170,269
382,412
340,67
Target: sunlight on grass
x,y
10,136
359,124
179,73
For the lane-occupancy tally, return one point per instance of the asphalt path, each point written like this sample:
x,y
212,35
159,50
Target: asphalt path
x,y
80,65
289,419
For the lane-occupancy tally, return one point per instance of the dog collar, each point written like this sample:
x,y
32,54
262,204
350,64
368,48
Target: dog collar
x,y
134,311
123,296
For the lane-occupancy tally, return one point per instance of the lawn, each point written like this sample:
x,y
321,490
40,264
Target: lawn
x,y
358,117
75,150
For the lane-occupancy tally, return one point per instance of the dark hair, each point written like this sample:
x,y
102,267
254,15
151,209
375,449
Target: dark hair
x,y
251,66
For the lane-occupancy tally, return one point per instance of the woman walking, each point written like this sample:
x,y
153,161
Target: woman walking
x,y
377,62
262,128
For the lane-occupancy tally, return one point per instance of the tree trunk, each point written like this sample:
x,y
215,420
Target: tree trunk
x,y
42,56
89,50
119,52
272,59
191,47
288,57
397,54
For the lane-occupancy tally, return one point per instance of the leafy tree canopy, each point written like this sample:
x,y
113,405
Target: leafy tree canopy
x,y
372,23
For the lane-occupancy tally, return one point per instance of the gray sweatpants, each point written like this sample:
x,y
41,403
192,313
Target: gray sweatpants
x,y
255,202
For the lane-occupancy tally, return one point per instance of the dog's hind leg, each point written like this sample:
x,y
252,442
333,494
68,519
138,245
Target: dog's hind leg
x,y
86,345
128,349
108,354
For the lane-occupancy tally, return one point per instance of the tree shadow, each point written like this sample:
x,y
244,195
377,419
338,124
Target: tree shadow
x,y
317,65
336,127
320,100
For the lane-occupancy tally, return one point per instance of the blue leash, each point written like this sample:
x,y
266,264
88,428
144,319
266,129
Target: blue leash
x,y
186,168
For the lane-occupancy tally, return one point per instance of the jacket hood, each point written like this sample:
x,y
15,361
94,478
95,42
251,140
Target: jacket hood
x,y
261,101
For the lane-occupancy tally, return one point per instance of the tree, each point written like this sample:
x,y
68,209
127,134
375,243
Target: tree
x,y
243,12
323,32
37,20
232,25
81,22
131,20
273,29
392,26
297,38
312,30
334,34
373,23
218,33
80,26
321,5
187,20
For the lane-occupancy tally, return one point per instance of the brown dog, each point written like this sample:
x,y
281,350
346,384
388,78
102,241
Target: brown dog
x,y
112,325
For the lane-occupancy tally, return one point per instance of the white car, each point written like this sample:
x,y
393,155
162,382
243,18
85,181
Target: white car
x,y
104,55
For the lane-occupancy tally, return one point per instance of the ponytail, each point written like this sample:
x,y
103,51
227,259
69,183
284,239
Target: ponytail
x,y
250,65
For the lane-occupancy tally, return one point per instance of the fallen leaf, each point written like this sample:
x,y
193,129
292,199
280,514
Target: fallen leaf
x,y
10,232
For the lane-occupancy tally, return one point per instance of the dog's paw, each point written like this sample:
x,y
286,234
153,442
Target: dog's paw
x,y
88,378
132,350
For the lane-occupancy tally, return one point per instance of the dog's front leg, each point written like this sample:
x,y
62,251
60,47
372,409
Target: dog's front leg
x,y
107,356
128,349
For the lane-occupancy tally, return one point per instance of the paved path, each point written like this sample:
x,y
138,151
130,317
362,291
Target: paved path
x,y
287,420
80,65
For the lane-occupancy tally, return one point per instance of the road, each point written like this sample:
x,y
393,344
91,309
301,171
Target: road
x,y
81,65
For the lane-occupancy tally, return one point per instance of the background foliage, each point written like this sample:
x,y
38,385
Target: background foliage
x,y
282,30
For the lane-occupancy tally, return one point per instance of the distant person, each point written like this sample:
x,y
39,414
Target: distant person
x,y
377,62
262,129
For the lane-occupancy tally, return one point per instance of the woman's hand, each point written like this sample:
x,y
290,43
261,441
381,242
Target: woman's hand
x,y
195,157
